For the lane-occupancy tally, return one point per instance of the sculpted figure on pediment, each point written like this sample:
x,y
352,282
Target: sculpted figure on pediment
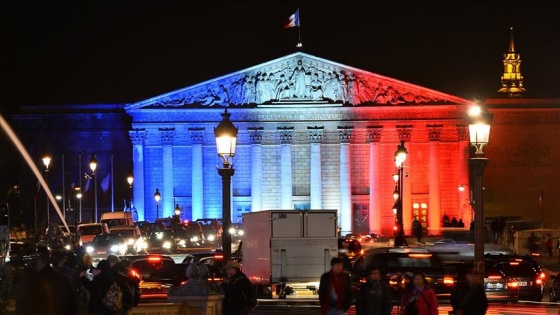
x,y
316,88
249,91
298,80
283,88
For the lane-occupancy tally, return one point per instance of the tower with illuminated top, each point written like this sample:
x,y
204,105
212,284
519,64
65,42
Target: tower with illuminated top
x,y
512,80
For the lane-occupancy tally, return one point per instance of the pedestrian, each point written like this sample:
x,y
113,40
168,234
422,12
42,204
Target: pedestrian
x,y
374,297
417,229
420,299
469,297
120,274
98,288
549,243
335,290
238,292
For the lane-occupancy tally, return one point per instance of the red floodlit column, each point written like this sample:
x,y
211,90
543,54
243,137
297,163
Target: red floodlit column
x,y
374,136
434,217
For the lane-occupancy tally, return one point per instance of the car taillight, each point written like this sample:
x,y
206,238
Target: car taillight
x,y
363,280
539,281
218,257
184,282
393,282
134,274
513,284
154,258
542,275
494,277
448,280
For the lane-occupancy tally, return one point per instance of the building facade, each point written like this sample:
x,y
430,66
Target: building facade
x,y
313,134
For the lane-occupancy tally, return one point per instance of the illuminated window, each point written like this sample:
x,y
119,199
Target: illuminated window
x,y
420,211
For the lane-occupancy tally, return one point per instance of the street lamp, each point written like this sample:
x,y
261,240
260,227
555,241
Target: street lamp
x,y
157,198
47,161
398,194
479,133
226,139
178,211
79,196
93,167
129,180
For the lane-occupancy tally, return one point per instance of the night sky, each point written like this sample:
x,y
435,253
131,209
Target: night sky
x,y
80,52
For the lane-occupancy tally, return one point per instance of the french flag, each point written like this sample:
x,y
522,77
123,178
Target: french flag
x,y
293,21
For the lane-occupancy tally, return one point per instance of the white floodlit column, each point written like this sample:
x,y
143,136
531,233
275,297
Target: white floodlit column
x,y
315,191
345,211
197,180
138,138
286,135
434,208
374,137
166,208
255,135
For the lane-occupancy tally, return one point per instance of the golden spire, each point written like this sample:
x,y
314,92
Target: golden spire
x,y
511,45
512,80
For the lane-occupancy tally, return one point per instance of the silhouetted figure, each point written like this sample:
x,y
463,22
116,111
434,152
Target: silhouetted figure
x,y
461,224
454,222
446,221
417,229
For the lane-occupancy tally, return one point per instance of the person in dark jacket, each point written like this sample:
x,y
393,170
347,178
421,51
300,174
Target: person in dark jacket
x,y
98,287
120,274
238,299
469,297
374,297
335,289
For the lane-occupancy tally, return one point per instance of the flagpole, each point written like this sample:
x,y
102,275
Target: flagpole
x,y
80,185
299,44
112,187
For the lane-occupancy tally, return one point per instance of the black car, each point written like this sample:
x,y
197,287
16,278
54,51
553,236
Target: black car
x,y
529,281
161,242
195,234
497,286
395,262
158,274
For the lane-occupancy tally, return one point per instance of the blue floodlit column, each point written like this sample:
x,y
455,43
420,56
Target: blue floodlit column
x,y
345,211
255,135
167,205
374,137
138,138
315,191
197,180
286,135
434,217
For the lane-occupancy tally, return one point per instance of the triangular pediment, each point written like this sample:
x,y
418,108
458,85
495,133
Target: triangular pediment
x,y
299,79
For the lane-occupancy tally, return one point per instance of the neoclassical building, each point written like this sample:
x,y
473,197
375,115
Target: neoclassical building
x,y
313,134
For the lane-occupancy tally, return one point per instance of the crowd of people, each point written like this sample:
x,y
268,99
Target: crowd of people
x,y
414,296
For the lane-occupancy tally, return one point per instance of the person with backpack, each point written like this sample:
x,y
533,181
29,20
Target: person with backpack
x,y
419,299
239,298
374,297
103,290
120,274
335,289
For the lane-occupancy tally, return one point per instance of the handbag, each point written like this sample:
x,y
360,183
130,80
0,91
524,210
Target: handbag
x,y
113,298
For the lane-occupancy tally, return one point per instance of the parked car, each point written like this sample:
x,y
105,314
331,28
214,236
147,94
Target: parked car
x,y
106,244
394,262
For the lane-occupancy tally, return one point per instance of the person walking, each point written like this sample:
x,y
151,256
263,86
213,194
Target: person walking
x,y
98,288
374,297
469,297
420,299
335,290
237,288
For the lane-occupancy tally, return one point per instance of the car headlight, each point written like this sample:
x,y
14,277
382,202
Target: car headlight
x,y
130,241
67,247
194,239
211,237
182,242
231,230
89,249
240,232
167,244
114,248
123,247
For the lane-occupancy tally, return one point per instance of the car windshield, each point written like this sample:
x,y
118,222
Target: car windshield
x,y
160,235
191,228
126,233
517,269
90,230
104,239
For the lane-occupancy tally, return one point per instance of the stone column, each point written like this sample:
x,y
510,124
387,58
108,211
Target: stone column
x,y
434,207
138,138
345,211
464,198
404,133
315,192
374,137
197,179
255,135
167,206
286,135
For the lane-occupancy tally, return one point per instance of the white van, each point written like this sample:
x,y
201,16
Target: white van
x,y
117,218
88,231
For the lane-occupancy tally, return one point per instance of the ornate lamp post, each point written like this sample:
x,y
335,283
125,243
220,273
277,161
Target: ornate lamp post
x,y
479,132
226,139
157,198
178,213
130,180
79,205
93,167
47,161
400,157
